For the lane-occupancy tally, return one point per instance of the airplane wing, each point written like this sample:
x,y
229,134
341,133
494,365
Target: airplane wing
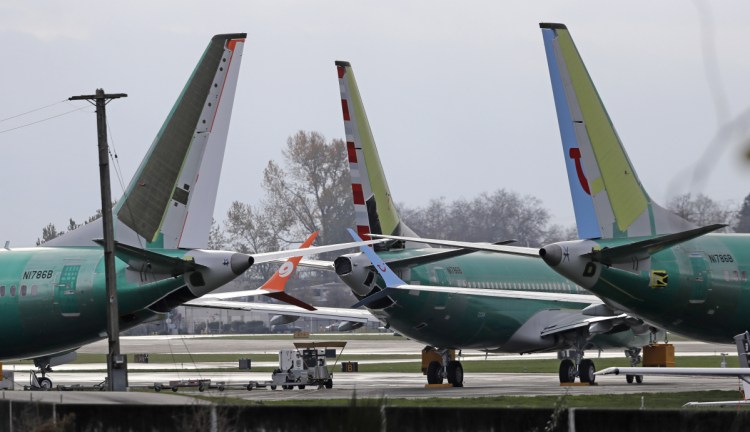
x,y
473,246
339,314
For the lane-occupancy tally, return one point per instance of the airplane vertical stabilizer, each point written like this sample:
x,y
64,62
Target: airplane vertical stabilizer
x,y
374,209
608,198
170,200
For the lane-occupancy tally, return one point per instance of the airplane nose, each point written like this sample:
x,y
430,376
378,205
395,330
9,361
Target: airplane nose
x,y
240,262
551,254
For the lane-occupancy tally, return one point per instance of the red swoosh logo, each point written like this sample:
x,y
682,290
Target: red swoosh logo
x,y
575,154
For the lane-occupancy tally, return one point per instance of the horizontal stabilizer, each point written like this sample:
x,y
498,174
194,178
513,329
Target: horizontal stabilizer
x,y
437,255
264,257
645,248
500,247
142,259
338,314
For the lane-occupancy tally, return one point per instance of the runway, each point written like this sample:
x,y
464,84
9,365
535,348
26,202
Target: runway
x,y
363,385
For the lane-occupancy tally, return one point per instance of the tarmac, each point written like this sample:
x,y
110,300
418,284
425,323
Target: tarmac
x,y
346,385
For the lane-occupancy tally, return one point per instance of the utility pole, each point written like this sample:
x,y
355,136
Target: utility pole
x,y
117,366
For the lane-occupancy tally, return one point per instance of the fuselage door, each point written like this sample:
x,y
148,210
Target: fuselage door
x,y
66,293
699,280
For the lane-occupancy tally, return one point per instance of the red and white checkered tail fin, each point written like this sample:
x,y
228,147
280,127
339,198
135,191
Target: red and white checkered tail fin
x,y
374,209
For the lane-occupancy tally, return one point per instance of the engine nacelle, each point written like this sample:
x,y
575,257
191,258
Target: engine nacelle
x,y
349,326
353,269
283,319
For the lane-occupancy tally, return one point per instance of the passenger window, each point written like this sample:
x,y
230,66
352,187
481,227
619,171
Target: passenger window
x,y
744,276
33,290
736,275
13,291
2,290
23,290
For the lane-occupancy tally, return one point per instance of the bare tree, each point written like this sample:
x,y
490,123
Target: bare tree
x,y
313,192
500,215
702,210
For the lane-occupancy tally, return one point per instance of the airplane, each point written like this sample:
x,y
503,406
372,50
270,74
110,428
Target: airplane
x,y
637,256
482,301
52,298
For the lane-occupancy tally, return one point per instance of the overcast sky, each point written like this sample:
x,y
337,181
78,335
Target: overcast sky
x,y
457,93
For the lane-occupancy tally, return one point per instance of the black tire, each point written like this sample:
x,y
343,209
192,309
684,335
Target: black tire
x,y
301,386
586,371
157,388
434,373
567,371
273,386
329,384
45,383
455,372
221,388
286,387
629,379
249,387
174,389
201,388
639,379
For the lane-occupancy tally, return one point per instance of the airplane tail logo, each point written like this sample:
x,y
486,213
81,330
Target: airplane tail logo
x,y
608,197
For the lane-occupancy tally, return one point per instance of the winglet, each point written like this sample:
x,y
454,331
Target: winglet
x,y
277,283
390,278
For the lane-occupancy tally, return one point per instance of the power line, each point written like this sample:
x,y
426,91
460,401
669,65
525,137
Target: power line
x,y
32,111
42,120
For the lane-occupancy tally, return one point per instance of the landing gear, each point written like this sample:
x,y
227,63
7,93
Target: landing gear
x,y
45,383
439,364
586,371
39,383
634,355
455,373
567,371
434,373
574,365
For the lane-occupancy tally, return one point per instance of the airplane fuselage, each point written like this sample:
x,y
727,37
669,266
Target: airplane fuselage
x,y
54,299
699,288
502,324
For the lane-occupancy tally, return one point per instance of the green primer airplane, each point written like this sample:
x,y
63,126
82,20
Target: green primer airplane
x,y
478,301
640,258
637,256
52,298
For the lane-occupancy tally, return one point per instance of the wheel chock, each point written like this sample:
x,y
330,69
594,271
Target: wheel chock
x,y
436,386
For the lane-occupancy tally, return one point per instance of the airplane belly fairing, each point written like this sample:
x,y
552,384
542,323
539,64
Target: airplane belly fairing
x,y
463,321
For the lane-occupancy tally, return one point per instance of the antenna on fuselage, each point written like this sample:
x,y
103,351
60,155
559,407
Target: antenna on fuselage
x,y
7,245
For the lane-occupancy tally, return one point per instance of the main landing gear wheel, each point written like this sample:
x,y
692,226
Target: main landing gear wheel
x,y
567,371
45,383
629,379
434,373
455,373
639,379
586,371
